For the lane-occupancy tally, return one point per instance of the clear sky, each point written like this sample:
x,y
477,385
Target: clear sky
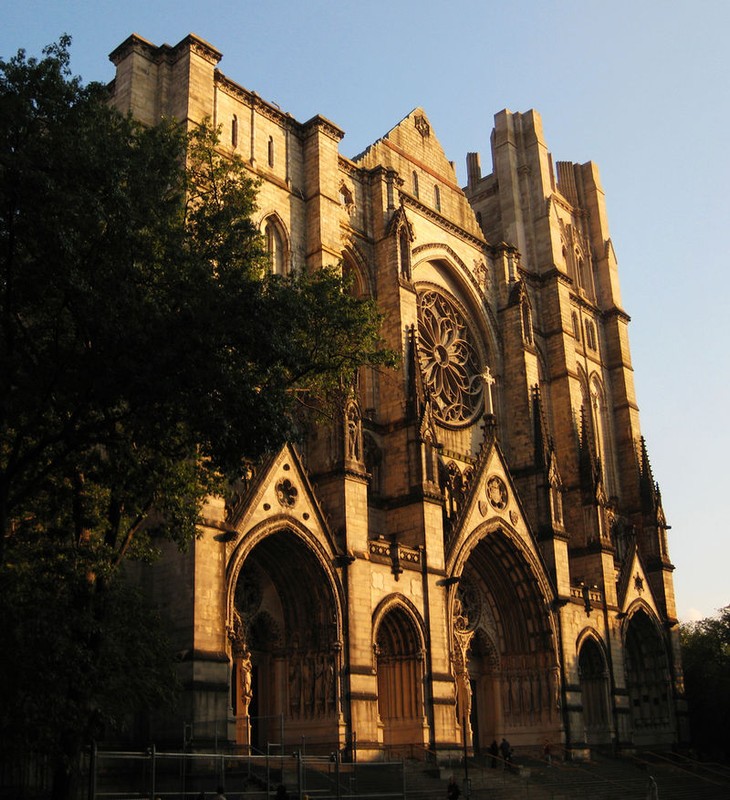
x,y
641,87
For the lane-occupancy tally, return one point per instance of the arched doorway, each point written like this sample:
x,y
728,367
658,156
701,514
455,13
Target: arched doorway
x,y
484,680
399,655
647,679
595,692
285,646
513,673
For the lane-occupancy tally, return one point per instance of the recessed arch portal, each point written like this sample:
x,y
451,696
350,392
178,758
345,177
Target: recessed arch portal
x,y
399,664
647,678
285,644
593,671
512,661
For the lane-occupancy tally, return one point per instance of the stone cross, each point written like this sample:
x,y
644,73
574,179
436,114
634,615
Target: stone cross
x,y
489,381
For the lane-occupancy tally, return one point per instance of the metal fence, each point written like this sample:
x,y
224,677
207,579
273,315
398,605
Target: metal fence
x,y
116,775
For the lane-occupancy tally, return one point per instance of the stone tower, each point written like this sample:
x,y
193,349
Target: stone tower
x,y
477,546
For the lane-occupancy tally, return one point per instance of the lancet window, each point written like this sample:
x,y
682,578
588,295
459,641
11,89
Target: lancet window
x,y
276,246
404,252
590,335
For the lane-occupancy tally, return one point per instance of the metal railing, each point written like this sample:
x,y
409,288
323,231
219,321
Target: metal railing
x,y
407,771
141,775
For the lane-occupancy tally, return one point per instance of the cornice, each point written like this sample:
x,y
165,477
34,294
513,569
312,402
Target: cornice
x,y
320,124
200,47
349,167
558,199
503,247
347,230
165,52
484,193
442,222
252,100
554,274
137,44
617,312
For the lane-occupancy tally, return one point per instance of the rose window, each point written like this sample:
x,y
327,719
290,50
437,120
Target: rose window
x,y
448,360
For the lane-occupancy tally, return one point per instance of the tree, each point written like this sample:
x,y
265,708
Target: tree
x,y
146,353
706,662
76,661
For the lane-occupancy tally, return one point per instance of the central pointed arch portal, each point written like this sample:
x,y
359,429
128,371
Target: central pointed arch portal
x,y
505,655
286,646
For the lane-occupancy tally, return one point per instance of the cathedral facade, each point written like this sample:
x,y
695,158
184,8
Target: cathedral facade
x,y
477,548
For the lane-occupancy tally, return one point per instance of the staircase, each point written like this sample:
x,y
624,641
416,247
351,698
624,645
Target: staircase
x,y
605,778
601,778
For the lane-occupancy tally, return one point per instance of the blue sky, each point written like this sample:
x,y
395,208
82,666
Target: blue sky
x,y
639,87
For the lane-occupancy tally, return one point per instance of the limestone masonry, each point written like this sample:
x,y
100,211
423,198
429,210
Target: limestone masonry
x,y
478,548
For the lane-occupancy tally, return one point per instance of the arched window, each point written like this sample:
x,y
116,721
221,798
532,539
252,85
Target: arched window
x,y
271,151
354,277
602,433
234,131
276,247
373,463
404,247
437,198
415,183
526,312
576,327
590,335
586,411
569,267
584,275
556,503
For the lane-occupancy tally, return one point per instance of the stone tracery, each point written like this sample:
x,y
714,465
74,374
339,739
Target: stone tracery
x,y
448,359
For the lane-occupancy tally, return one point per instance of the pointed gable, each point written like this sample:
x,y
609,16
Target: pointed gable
x,y
281,494
412,142
493,501
633,585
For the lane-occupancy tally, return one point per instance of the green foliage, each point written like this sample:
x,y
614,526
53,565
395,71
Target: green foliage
x,y
145,349
706,662
83,659
146,354
90,221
